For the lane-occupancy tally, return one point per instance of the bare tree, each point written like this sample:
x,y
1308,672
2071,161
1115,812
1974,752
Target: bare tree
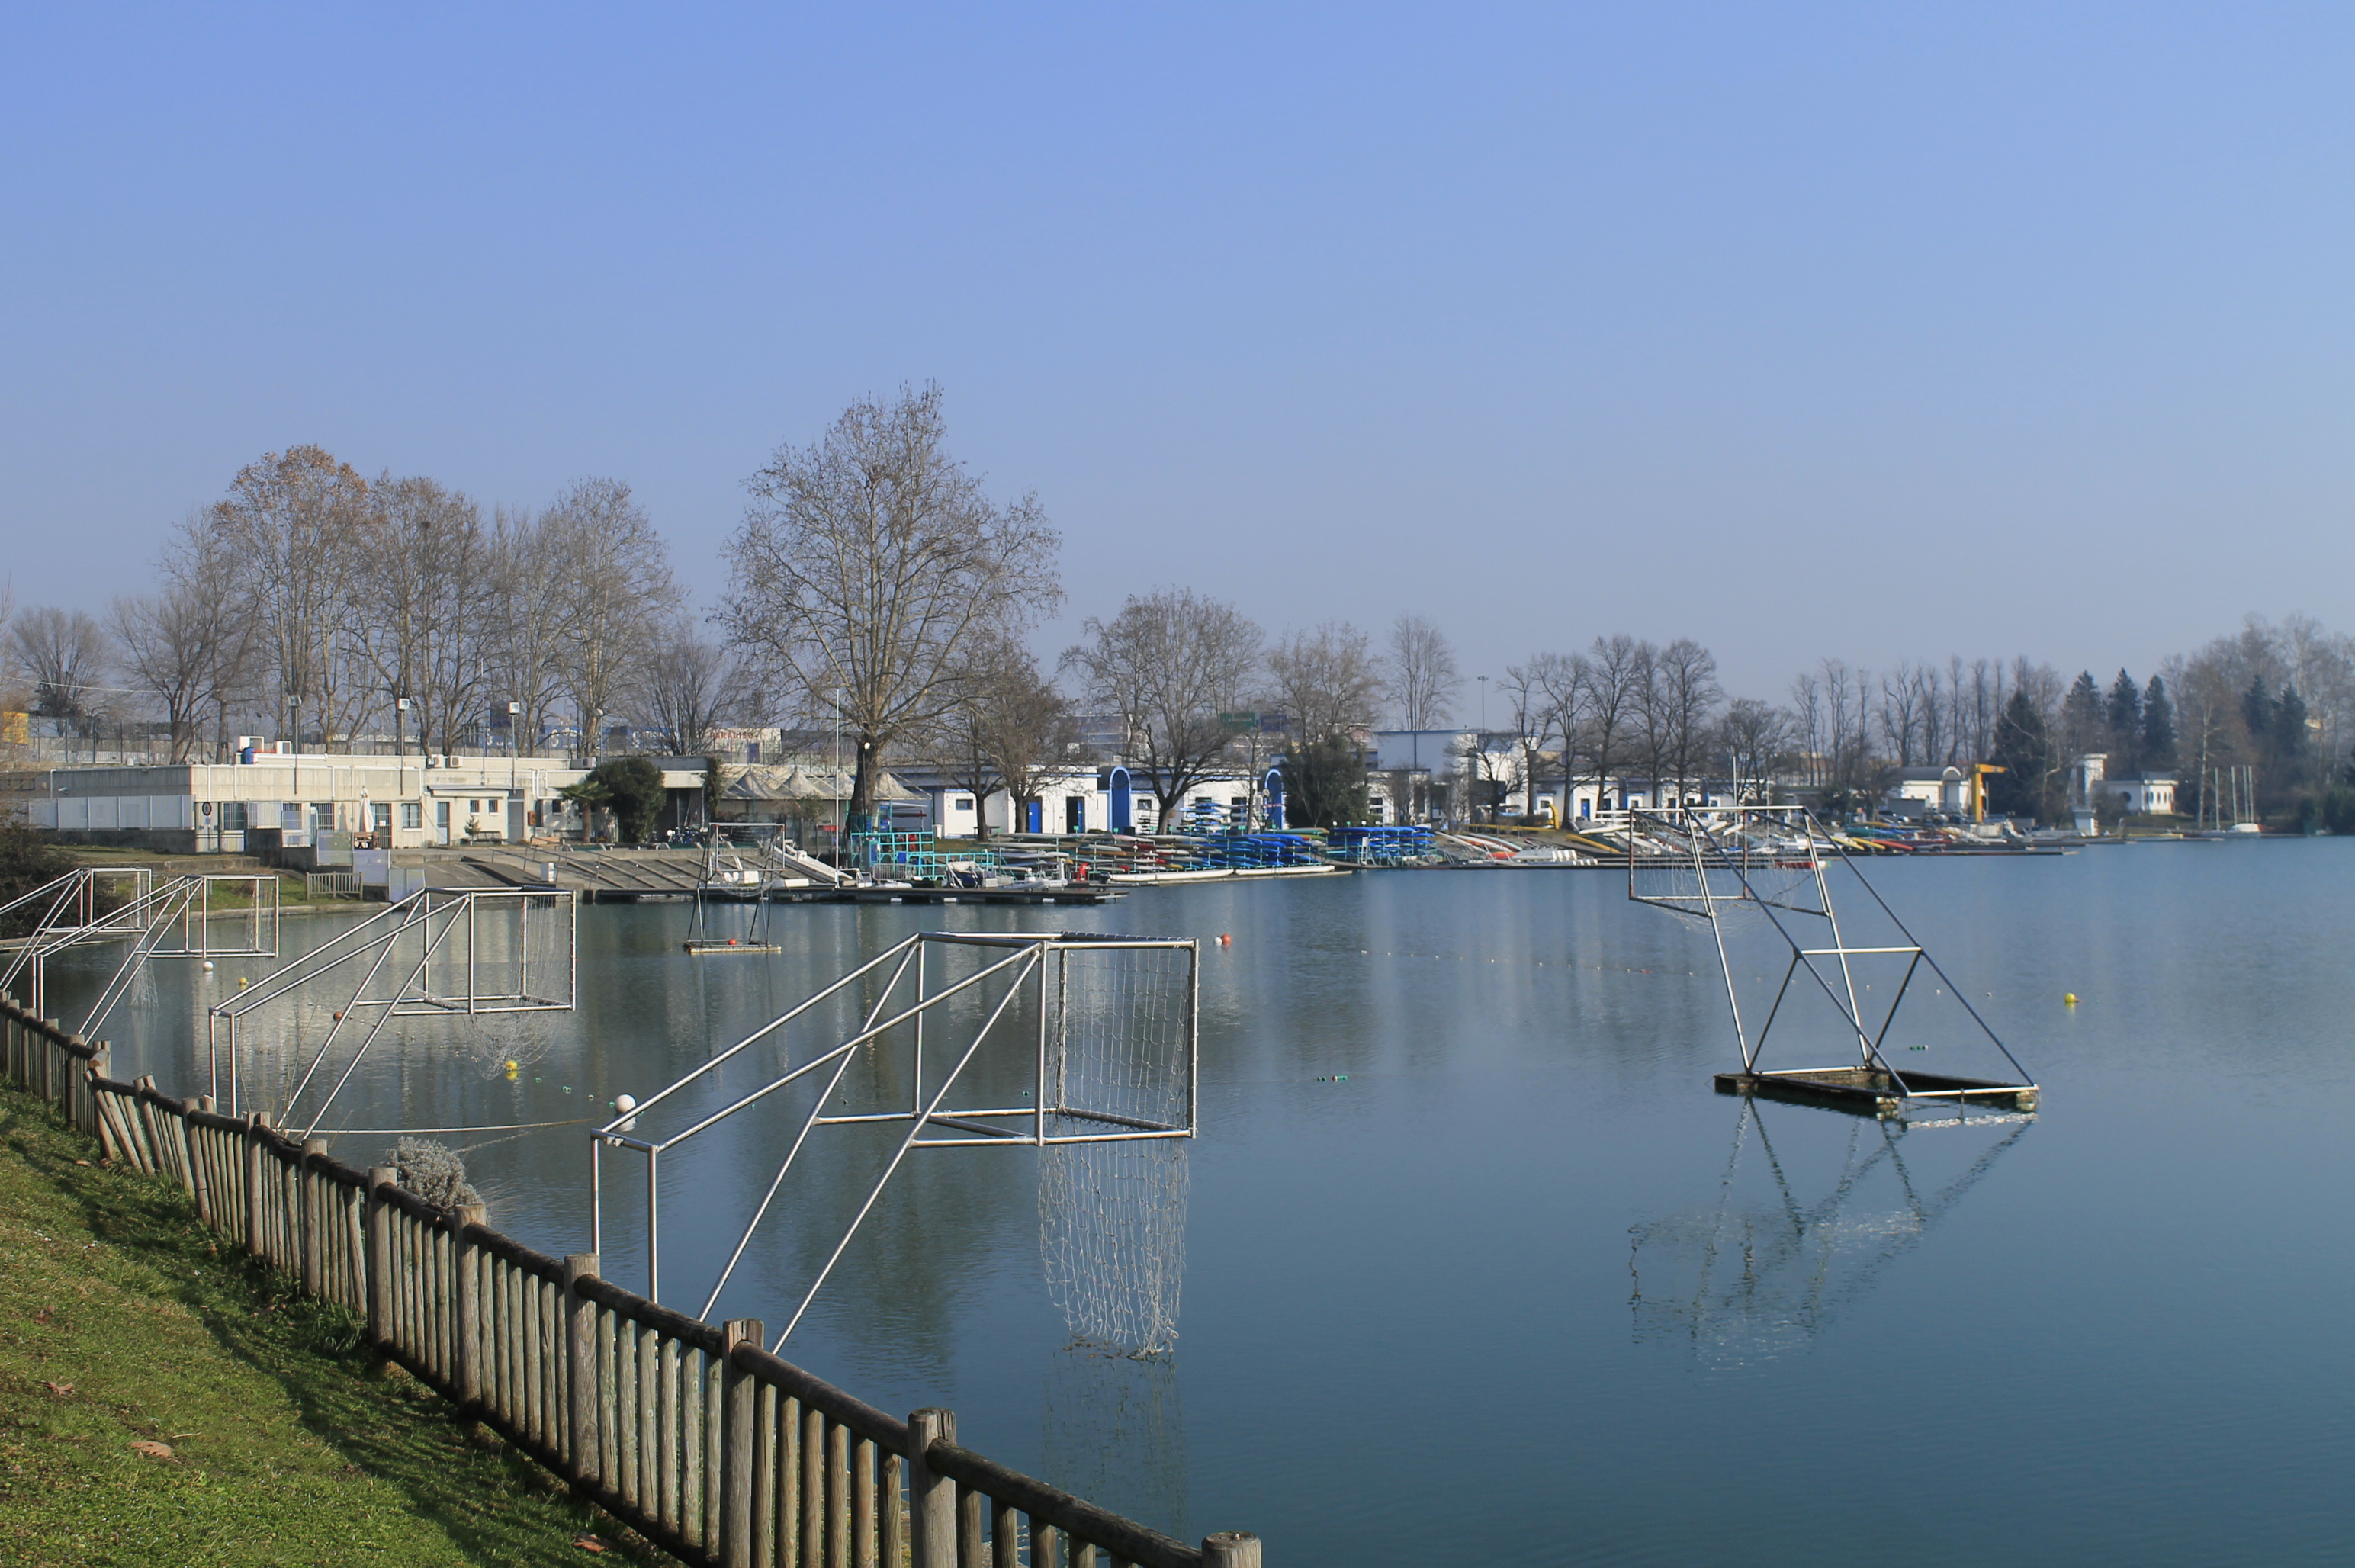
x,y
1902,700
290,521
1326,681
170,642
1419,673
1807,726
531,618
1685,691
65,654
1847,733
866,561
617,591
1009,729
423,596
1168,663
691,691
1524,687
1755,738
1610,677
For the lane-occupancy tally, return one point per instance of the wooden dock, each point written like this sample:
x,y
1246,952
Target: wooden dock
x,y
1872,1092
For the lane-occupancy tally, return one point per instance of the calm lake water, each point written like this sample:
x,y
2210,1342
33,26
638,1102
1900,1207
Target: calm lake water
x,y
1519,1285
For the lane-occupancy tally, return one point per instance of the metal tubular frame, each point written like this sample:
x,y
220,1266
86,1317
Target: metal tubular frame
x,y
145,920
1028,959
1707,831
435,916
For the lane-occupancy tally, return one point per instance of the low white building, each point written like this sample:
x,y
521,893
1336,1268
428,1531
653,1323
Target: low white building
x,y
291,801
1093,799
2144,794
1913,791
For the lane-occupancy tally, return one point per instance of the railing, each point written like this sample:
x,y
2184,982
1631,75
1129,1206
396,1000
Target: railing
x,y
717,1451
331,884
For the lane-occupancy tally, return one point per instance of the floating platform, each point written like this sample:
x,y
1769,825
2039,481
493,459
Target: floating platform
x,y
707,946
1872,1092
892,893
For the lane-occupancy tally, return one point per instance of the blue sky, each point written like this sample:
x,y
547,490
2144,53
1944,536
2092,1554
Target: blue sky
x,y
1880,332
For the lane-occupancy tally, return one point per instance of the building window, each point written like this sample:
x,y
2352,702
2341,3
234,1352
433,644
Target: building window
x,y
412,813
962,803
382,813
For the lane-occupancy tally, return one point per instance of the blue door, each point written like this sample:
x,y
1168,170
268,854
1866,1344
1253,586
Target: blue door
x,y
1122,817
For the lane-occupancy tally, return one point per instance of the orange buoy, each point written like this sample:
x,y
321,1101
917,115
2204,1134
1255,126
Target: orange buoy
x,y
1225,941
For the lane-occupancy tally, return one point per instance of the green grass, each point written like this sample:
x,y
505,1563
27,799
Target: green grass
x,y
122,1319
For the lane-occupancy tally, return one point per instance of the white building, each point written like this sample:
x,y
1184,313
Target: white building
x,y
1914,792
290,800
2147,794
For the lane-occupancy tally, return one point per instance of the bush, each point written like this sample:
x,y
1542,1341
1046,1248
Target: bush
x,y
2335,810
434,1172
26,861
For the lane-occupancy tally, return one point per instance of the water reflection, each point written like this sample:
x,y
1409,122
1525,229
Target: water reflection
x,y
1799,1231
1113,1432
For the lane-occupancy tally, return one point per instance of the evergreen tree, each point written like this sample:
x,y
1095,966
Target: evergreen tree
x,y
1324,785
2125,725
2289,736
2257,713
2085,723
2156,750
2023,749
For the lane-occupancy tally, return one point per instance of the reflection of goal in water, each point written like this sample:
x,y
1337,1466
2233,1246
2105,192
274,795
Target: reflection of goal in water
x,y
1764,871
1798,1231
1103,1028
439,953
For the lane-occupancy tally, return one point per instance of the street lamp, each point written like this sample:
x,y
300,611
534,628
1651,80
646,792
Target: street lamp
x,y
1484,699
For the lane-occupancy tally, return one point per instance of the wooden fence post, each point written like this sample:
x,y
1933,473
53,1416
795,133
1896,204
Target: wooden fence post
x,y
738,1391
200,1186
581,1367
1231,1548
469,1260
379,1255
255,1126
86,1115
932,1499
314,1220
176,1129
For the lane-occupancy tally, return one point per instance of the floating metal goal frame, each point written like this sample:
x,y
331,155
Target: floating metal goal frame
x,y
1725,851
434,920
1024,970
147,920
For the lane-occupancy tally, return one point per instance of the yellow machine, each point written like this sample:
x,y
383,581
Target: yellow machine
x,y
1979,772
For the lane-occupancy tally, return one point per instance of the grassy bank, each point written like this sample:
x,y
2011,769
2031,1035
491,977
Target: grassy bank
x,y
123,1321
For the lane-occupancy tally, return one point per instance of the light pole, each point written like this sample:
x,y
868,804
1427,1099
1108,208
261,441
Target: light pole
x,y
1484,699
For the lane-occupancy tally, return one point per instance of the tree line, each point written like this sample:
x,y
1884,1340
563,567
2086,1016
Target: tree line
x,y
873,580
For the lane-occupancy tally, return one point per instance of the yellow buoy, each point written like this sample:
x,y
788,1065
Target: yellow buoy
x,y
2068,999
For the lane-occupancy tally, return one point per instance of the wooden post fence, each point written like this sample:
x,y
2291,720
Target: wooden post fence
x,y
695,1436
